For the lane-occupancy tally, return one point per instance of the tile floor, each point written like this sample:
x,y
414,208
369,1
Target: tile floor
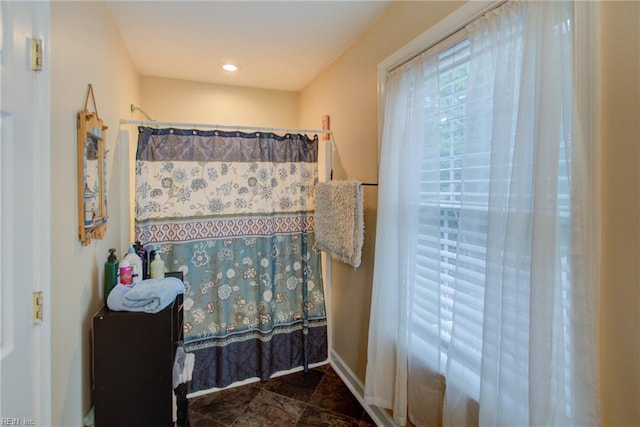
x,y
316,398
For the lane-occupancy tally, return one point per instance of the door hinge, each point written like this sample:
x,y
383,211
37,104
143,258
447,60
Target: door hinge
x,y
36,54
37,306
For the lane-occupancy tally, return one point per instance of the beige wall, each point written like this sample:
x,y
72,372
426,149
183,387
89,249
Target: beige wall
x,y
620,137
347,91
85,48
192,102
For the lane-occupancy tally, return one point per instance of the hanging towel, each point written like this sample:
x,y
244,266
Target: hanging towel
x,y
339,220
182,367
149,296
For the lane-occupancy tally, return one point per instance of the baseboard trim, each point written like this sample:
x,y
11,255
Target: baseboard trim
x,y
379,416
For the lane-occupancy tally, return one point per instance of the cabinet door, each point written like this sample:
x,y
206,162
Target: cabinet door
x,y
132,367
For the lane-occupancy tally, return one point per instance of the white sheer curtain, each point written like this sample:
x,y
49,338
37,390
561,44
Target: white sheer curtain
x,y
389,337
485,270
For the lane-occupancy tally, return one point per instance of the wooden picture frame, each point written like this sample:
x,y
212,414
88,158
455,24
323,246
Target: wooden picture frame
x,y
92,174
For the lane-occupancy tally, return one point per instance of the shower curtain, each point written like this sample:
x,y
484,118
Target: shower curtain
x,y
234,212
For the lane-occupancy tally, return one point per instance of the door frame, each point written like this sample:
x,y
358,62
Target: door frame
x,y
42,251
40,204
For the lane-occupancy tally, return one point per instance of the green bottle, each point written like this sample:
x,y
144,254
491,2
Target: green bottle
x,y
110,273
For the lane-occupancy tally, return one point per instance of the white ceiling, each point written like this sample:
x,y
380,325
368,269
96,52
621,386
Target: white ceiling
x,y
278,45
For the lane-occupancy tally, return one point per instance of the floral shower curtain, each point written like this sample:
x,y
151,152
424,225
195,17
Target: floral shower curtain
x,y
234,212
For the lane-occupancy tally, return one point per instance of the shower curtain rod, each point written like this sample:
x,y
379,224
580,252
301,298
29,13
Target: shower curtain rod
x,y
230,127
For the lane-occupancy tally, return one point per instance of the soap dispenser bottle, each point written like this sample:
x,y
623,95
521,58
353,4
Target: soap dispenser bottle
x,y
110,273
157,267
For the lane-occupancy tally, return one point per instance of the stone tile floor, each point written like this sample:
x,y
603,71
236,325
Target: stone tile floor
x,y
316,398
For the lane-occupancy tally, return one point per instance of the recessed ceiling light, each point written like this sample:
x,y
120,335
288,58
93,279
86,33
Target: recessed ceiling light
x,y
230,67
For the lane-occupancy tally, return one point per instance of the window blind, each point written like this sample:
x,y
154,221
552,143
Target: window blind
x,y
449,264
451,260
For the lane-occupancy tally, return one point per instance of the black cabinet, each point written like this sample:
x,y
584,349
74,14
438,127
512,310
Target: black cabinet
x,y
133,357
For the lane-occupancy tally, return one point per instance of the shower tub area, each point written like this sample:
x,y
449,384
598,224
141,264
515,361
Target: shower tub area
x,y
233,210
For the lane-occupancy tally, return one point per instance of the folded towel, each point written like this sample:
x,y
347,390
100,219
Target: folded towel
x,y
116,298
149,296
339,220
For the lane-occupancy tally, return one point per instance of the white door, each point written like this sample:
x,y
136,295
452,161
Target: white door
x,y
25,374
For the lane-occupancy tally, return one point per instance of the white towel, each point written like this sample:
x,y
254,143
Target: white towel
x,y
182,367
339,220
